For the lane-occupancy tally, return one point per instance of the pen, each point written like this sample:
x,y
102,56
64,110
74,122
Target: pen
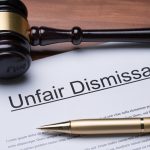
x,y
101,126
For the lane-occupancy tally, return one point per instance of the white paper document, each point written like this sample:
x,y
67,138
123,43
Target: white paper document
x,y
109,81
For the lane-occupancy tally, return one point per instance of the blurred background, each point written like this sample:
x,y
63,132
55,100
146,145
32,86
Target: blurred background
x,y
88,14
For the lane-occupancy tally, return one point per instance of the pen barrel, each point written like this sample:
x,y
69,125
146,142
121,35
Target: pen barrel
x,y
147,125
111,126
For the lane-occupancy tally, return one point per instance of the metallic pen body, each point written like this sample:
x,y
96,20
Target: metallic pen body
x,y
101,126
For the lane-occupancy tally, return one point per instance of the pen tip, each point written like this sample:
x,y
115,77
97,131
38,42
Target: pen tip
x,y
40,128
59,127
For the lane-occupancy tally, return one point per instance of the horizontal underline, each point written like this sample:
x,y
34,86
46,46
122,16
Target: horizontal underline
x,y
80,94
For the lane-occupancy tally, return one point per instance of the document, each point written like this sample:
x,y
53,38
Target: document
x,y
107,81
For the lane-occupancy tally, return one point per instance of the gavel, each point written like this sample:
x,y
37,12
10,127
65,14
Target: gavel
x,y
16,37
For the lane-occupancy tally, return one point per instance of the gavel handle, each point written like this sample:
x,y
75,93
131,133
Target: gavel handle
x,y
45,36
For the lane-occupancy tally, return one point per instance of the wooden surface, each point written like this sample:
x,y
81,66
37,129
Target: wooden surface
x,y
99,14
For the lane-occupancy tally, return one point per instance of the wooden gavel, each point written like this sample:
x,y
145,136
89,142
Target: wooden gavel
x,y
16,37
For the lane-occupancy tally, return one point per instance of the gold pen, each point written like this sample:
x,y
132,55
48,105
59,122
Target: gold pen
x,y
101,126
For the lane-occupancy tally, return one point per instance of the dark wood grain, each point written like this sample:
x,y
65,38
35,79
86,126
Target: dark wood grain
x,y
98,14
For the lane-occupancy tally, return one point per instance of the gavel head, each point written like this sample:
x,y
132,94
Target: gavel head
x,y
15,56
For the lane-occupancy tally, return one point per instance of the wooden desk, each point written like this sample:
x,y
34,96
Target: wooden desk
x,y
87,14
